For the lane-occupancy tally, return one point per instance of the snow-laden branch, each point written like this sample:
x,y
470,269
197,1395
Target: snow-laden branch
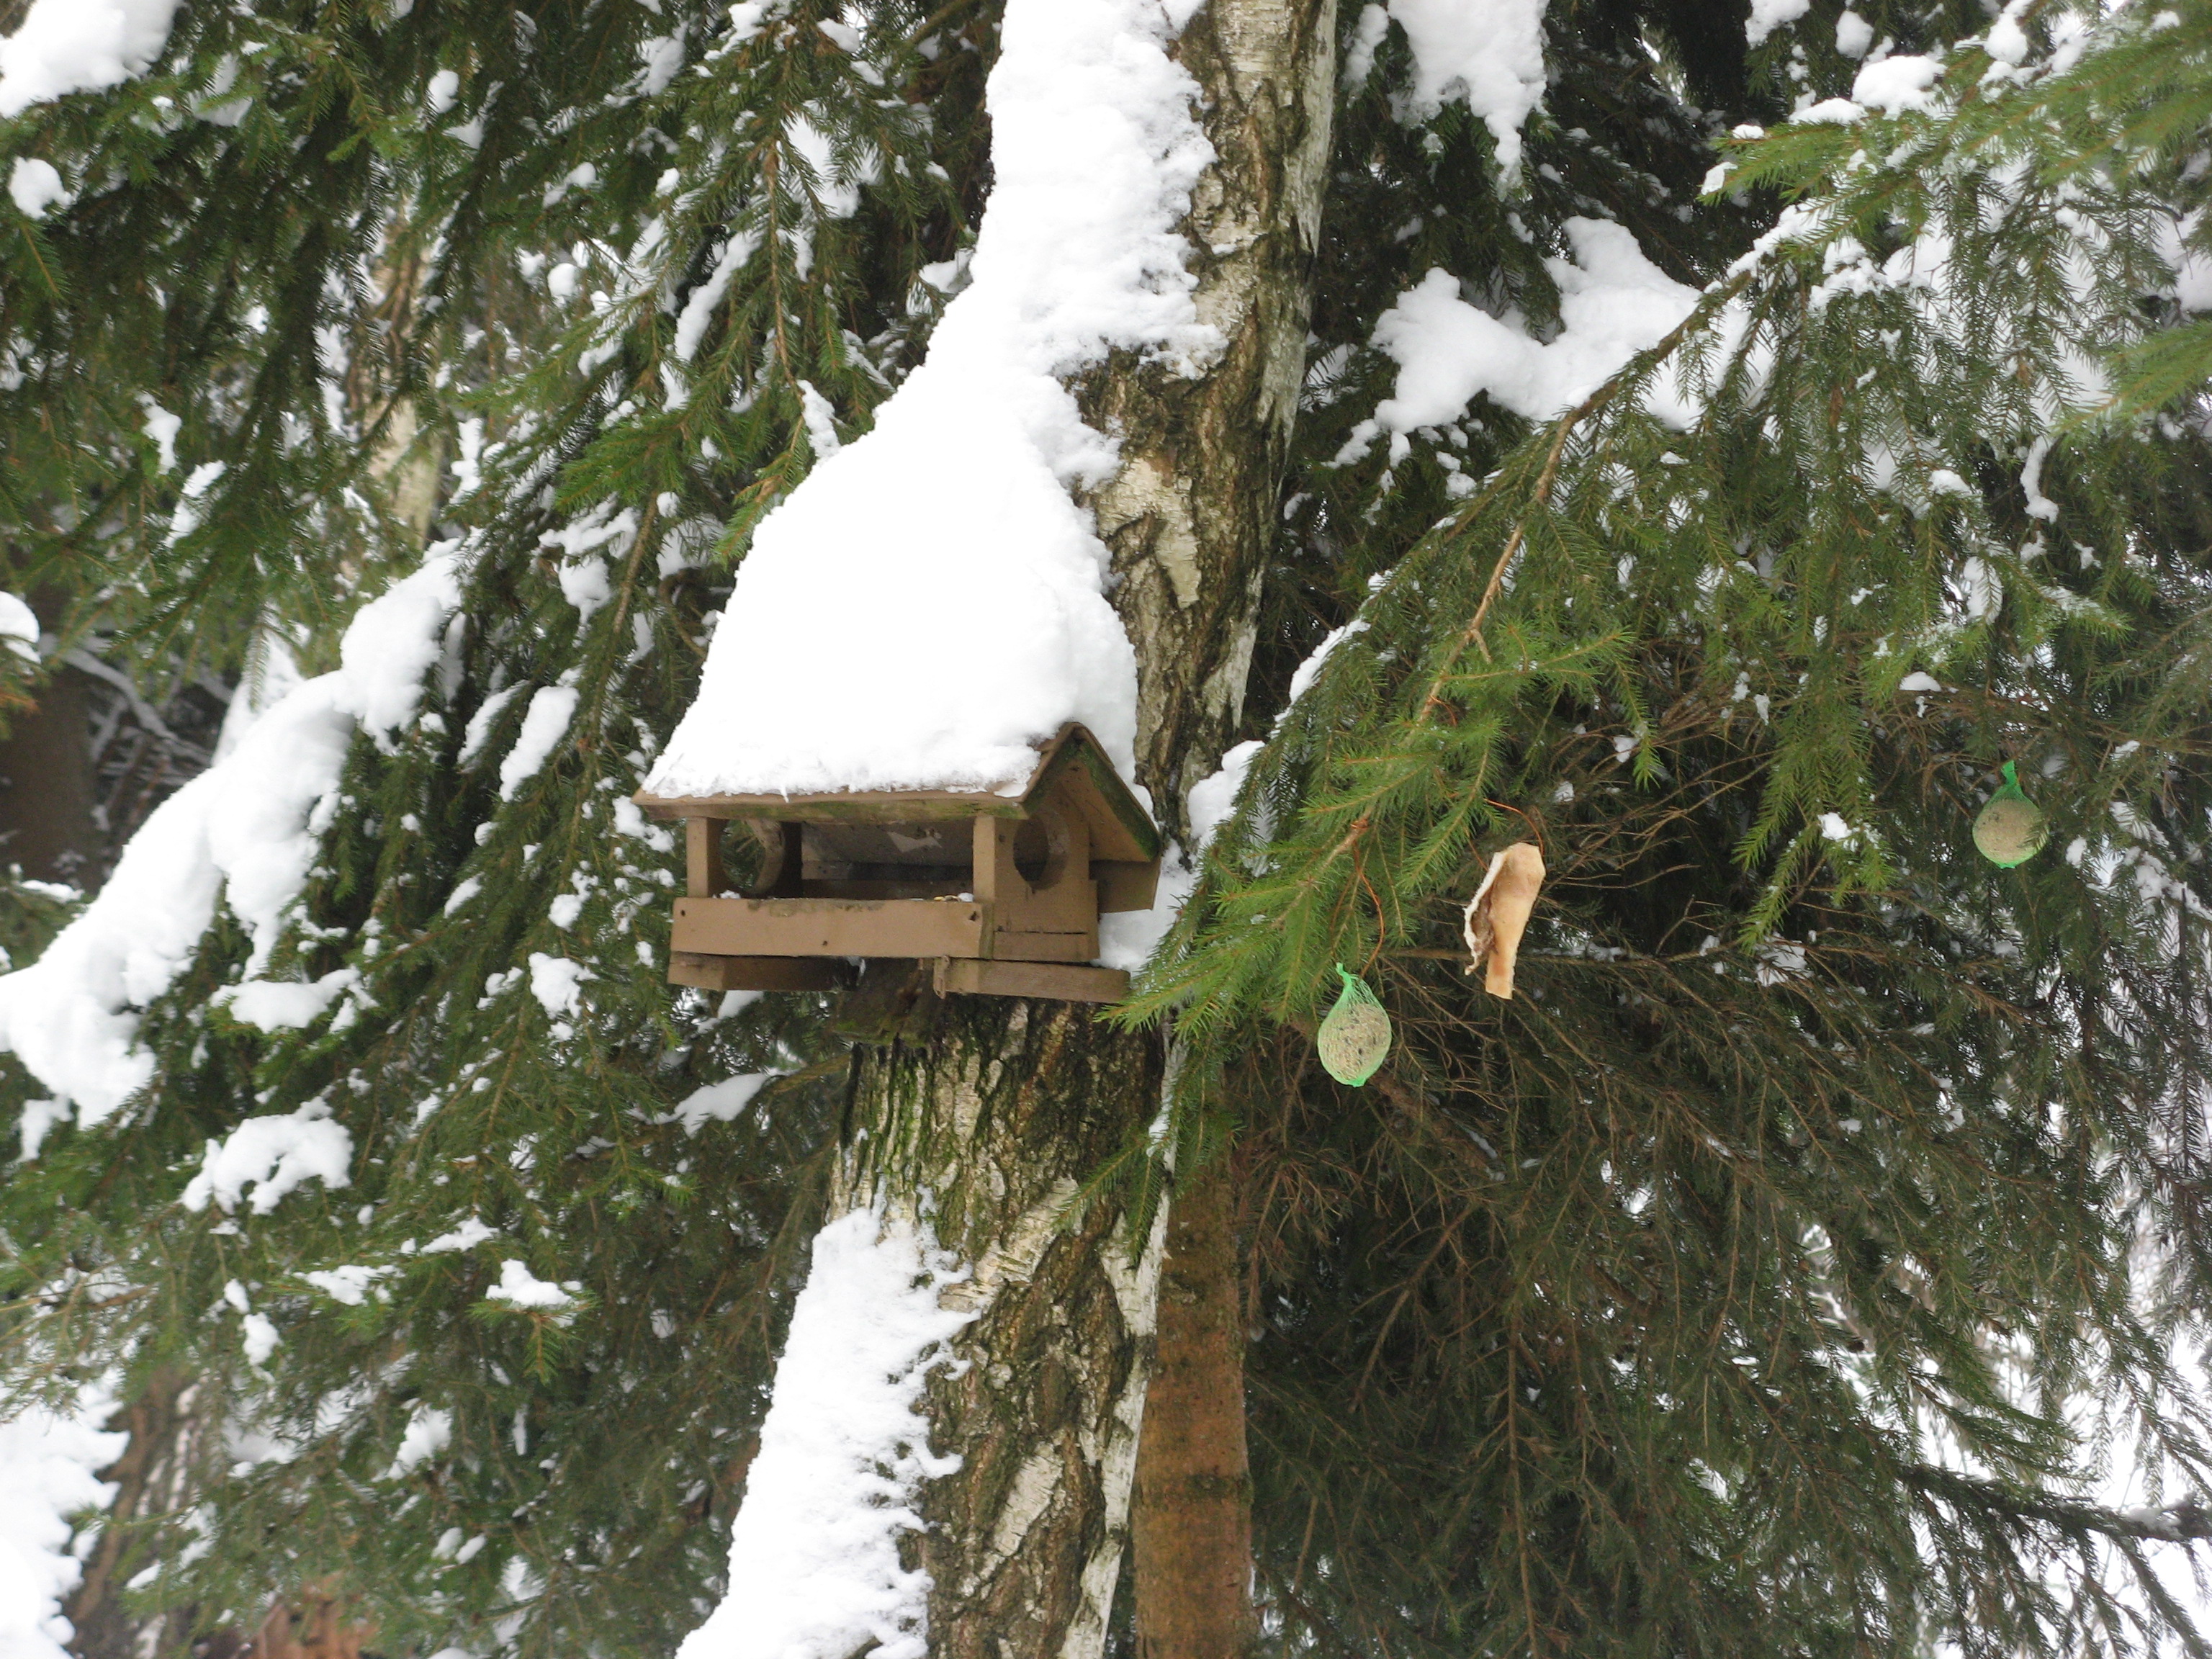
x,y
242,832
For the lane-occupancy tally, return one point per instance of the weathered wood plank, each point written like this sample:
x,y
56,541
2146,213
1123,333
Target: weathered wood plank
x,y
1059,980
829,927
709,973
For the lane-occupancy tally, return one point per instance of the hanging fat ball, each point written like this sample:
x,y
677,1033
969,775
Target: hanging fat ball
x,y
2011,828
1499,913
1356,1034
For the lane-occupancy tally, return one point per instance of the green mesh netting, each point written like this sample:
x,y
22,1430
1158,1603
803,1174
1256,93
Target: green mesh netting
x,y
1356,1035
2011,828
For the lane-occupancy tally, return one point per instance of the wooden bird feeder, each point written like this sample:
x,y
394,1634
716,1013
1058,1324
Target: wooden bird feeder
x,y
1001,893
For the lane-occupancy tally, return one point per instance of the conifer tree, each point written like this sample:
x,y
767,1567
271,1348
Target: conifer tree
x,y
1743,1284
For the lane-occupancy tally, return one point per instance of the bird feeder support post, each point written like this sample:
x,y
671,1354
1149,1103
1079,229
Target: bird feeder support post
x,y
990,860
704,876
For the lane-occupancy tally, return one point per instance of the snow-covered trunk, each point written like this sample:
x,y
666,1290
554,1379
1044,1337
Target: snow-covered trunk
x,y
946,1466
1193,508
999,1109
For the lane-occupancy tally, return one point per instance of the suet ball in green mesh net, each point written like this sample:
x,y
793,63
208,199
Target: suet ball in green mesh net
x,y
1356,1035
2011,828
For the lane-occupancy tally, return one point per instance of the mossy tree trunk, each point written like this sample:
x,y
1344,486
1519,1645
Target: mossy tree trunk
x,y
1000,1110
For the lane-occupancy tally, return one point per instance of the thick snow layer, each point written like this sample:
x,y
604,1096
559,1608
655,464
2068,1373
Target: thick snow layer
x,y
19,626
1768,15
557,983
79,46
239,833
258,1336
466,1236
1898,83
929,602
47,1461
1488,52
1614,303
814,1558
429,1432
273,1155
2006,40
349,1286
286,1004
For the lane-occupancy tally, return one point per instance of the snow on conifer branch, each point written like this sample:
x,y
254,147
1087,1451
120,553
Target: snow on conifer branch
x,y
2004,278
63,46
243,833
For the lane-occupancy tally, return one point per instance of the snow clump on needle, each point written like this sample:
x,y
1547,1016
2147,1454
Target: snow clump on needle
x,y
33,186
520,1288
1614,303
929,602
1768,15
18,627
1487,53
814,1550
273,1155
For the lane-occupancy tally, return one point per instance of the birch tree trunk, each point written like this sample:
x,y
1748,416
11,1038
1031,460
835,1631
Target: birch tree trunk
x,y
999,1109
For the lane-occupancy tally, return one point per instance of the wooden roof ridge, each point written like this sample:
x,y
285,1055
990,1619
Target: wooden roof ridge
x,y
1073,749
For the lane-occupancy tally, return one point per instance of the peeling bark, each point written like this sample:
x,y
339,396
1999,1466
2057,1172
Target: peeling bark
x,y
1192,513
984,1116
1000,1110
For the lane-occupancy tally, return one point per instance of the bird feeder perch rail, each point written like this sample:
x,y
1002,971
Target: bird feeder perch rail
x,y
1001,892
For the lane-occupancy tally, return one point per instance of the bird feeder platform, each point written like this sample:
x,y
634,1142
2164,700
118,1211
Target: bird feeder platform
x,y
1001,892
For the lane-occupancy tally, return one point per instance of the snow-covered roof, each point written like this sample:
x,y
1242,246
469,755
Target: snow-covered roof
x,y
929,603
1074,761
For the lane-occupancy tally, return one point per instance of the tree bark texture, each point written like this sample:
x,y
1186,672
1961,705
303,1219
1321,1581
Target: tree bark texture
x,y
154,1478
49,788
1194,511
1001,1110
984,1116
1191,1526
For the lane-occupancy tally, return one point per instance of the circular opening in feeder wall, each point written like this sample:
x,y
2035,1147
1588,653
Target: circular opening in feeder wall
x,y
1040,849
